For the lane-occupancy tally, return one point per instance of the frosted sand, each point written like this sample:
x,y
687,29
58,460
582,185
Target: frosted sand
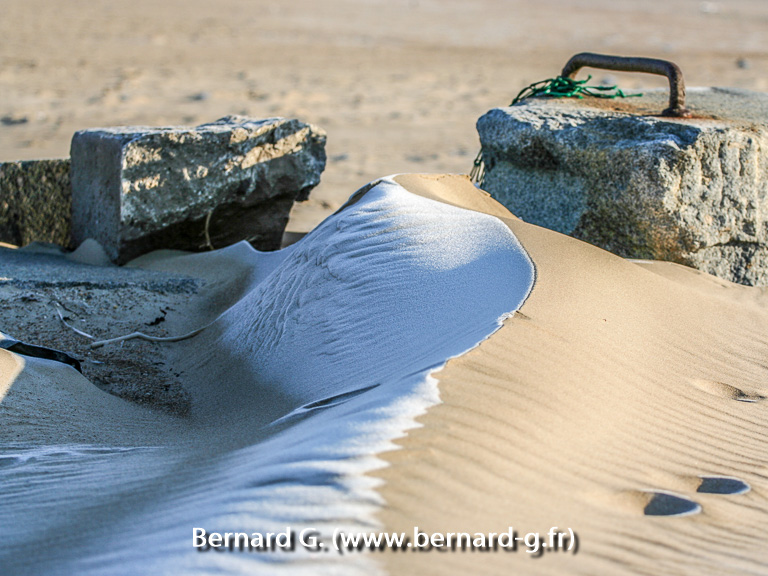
x,y
618,390
321,360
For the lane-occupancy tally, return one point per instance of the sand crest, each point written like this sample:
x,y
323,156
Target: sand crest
x,y
624,400
315,359
615,382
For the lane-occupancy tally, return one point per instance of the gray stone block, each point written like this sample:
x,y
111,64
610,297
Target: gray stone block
x,y
137,189
35,202
615,174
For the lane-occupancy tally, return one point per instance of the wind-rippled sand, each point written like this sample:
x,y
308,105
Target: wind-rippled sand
x,y
324,360
361,380
625,401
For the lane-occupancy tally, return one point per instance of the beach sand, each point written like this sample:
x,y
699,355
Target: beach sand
x,y
614,393
397,84
603,406
305,365
615,380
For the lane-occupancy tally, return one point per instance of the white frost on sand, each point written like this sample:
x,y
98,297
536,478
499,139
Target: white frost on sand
x,y
341,331
393,284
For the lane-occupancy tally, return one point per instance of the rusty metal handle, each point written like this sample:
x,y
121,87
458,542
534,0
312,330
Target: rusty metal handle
x,y
647,65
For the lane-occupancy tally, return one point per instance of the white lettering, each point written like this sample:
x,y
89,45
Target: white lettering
x,y
198,537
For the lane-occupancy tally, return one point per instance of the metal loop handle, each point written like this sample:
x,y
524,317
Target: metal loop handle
x,y
646,65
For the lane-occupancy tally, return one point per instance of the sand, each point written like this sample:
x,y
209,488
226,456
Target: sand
x,y
314,360
613,392
614,381
397,84
615,385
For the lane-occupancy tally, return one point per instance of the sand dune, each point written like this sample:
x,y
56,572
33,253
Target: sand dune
x,y
319,358
624,400
614,382
619,389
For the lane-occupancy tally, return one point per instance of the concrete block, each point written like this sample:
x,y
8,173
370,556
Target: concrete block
x,y
137,189
616,174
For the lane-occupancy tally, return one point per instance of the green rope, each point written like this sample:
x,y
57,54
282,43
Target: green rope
x,y
559,87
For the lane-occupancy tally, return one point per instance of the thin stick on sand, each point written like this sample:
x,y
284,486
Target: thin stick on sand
x,y
143,336
68,325
131,336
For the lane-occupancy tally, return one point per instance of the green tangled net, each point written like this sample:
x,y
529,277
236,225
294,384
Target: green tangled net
x,y
560,87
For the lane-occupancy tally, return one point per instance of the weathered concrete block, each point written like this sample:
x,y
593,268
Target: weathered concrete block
x,y
693,191
35,202
136,189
